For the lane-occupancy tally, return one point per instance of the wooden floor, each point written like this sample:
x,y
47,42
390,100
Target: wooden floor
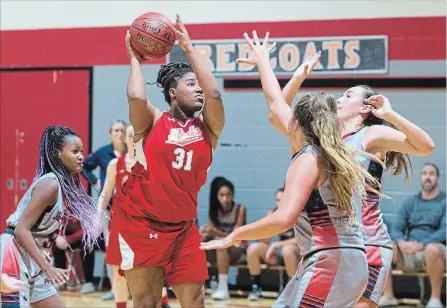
x,y
77,300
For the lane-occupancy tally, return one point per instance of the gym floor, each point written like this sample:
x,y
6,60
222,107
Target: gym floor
x,y
77,300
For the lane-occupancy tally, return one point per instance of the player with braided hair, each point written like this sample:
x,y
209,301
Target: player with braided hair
x,y
159,240
55,195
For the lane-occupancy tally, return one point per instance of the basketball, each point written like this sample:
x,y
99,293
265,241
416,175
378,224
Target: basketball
x,y
152,35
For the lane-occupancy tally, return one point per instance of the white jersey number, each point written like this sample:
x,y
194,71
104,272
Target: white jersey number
x,y
180,161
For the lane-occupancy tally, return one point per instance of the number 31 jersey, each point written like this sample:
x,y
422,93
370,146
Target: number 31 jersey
x,y
172,166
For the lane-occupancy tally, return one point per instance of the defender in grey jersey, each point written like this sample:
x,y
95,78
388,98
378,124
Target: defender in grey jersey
x,y
320,183
362,106
40,217
331,244
16,262
363,113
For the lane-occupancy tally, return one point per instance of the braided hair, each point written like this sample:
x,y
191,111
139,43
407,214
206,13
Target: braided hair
x,y
80,204
169,74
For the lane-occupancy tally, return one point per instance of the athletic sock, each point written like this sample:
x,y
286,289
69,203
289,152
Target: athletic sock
x,y
121,305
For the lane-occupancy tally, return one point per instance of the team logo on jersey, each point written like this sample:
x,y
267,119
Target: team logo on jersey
x,y
181,138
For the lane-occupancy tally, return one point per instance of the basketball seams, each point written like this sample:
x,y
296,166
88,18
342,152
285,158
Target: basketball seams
x,y
151,33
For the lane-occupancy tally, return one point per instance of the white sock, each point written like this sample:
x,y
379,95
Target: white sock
x,y
223,282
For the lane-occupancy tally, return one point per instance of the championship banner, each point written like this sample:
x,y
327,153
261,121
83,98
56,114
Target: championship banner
x,y
340,55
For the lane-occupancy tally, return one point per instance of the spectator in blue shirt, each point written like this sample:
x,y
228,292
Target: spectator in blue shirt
x,y
102,156
419,233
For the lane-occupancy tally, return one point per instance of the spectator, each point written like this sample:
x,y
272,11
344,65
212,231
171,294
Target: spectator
x,y
420,235
72,240
225,215
262,251
101,158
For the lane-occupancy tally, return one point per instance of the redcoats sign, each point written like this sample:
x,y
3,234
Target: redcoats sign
x,y
341,55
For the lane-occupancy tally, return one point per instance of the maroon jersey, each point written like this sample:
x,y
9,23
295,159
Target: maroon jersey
x,y
172,165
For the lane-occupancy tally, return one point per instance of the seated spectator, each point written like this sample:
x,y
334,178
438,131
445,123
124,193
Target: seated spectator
x,y
262,251
420,234
224,216
72,240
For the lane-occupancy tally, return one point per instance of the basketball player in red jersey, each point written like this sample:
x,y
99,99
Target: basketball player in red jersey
x,y
159,240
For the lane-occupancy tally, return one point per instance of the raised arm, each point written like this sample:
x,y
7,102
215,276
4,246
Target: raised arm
x,y
408,138
260,56
302,177
292,87
298,77
213,110
142,114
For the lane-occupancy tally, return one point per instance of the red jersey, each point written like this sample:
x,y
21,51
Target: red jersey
x,y
122,175
172,166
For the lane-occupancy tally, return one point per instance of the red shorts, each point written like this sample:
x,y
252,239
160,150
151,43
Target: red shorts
x,y
113,254
145,242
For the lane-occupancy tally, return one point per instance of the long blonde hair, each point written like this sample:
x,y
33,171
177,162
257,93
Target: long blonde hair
x,y
317,116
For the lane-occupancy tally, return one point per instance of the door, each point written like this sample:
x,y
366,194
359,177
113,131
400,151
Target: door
x,y
31,101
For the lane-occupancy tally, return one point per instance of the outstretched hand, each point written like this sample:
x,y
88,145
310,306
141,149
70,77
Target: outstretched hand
x,y
307,67
220,243
183,36
259,51
380,106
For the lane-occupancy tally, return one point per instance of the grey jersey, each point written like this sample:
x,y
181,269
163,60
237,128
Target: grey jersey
x,y
375,230
227,221
322,225
50,222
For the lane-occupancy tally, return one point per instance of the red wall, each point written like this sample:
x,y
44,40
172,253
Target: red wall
x,y
31,101
409,39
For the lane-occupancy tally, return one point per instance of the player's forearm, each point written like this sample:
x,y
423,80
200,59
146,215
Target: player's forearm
x,y
291,88
26,240
266,227
415,135
135,83
203,72
270,86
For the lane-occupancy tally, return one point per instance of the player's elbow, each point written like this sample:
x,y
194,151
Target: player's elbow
x,y
19,231
428,148
214,93
289,222
133,96
286,222
272,118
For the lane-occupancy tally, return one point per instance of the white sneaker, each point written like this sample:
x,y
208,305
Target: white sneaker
x,y
434,303
385,301
221,295
88,288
